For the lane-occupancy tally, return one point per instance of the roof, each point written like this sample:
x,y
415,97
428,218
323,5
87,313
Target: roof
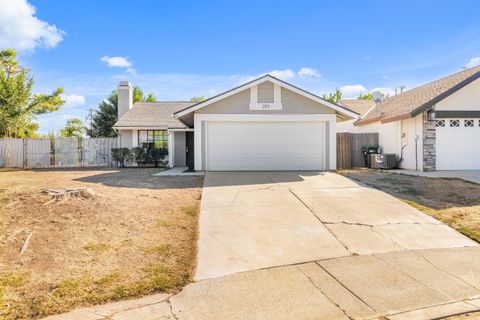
x,y
415,101
359,106
158,115
341,110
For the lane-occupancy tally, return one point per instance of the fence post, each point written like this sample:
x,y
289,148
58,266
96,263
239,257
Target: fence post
x,y
24,153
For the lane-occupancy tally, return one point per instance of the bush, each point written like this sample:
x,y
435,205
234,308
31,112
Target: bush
x,y
157,155
140,156
121,155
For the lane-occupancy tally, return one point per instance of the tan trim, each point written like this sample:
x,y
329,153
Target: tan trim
x,y
366,121
396,118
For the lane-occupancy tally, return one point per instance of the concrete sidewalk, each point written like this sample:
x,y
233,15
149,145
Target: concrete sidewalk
x,y
468,175
416,284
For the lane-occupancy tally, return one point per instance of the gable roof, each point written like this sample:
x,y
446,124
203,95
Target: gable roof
x,y
420,99
341,110
155,115
359,106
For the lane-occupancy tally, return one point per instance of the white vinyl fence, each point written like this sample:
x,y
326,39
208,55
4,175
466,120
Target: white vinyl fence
x,y
56,152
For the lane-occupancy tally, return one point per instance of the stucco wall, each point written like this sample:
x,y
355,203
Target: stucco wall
x,y
293,103
412,139
467,98
126,138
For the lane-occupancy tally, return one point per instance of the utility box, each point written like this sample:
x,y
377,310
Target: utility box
x,y
383,161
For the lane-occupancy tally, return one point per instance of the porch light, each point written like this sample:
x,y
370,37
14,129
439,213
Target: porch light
x,y
431,115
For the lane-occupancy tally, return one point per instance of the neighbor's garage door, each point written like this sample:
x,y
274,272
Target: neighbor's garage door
x,y
458,144
237,146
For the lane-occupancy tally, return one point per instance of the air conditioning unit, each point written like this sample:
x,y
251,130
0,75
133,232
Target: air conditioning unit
x,y
383,161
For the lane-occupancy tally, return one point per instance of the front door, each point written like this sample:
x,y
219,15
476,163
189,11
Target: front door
x,y
190,151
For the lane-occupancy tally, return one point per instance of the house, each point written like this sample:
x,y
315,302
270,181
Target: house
x,y
432,127
265,124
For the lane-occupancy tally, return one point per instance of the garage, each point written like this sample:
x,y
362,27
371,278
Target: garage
x,y
259,145
458,144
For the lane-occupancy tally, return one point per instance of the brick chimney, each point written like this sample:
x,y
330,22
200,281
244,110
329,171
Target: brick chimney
x,y
125,97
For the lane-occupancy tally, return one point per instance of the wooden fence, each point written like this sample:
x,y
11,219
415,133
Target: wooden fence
x,y
349,148
56,152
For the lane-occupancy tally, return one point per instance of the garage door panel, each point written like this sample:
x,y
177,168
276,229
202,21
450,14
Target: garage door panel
x,y
458,148
265,146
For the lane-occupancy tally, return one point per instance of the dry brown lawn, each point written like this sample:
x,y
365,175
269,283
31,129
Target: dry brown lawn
x,y
136,236
453,201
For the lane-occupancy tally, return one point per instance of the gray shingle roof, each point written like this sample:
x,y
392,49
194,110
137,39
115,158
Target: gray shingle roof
x,y
359,106
412,102
158,115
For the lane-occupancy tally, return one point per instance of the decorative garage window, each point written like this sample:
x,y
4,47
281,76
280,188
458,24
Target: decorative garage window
x,y
454,123
440,123
153,138
468,123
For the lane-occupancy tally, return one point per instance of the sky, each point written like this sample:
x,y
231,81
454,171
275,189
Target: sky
x,y
181,49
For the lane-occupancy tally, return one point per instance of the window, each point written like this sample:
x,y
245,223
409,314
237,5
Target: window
x,y
454,123
468,123
153,138
440,123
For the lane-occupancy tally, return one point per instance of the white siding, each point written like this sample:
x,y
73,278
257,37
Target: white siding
x,y
412,141
467,98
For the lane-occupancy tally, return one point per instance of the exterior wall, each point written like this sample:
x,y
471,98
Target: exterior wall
x,y
412,143
467,98
126,138
179,149
293,103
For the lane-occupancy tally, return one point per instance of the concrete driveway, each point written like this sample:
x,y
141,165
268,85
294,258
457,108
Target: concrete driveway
x,y
255,220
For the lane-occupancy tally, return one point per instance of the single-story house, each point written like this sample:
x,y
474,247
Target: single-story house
x,y
433,127
265,124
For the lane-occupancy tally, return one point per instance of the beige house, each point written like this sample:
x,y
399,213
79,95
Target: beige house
x,y
432,127
265,124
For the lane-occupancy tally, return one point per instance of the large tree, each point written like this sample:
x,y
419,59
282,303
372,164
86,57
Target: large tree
x,y
18,106
103,119
73,128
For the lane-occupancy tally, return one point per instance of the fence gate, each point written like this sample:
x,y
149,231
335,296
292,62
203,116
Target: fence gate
x,y
349,148
56,152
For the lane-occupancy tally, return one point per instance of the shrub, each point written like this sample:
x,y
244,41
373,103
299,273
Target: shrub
x,y
157,155
121,155
140,156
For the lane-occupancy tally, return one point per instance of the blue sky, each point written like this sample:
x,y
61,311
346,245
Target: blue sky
x,y
180,49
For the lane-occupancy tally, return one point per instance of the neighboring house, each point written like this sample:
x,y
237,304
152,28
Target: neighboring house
x,y
265,124
435,126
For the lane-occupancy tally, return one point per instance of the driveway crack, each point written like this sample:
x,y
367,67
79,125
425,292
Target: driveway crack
x,y
345,287
326,295
171,309
330,231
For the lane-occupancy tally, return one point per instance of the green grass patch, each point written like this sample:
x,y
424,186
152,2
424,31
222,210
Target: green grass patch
x,y
190,210
96,247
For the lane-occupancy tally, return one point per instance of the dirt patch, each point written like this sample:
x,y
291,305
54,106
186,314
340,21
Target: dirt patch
x,y
453,201
136,236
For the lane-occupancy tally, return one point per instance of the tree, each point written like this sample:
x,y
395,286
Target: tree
x,y
106,115
18,106
73,128
198,99
366,96
333,97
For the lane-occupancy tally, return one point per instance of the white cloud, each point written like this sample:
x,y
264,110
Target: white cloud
x,y
283,74
73,100
473,62
387,91
20,29
352,91
118,62
308,72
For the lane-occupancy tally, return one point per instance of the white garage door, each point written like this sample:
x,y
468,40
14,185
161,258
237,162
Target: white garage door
x,y
458,144
237,146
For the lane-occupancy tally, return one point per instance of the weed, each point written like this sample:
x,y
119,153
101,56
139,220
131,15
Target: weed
x,y
96,247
